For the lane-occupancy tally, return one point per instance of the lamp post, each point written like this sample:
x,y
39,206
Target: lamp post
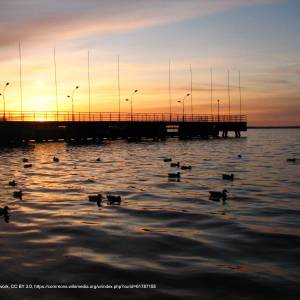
x,y
182,101
3,96
218,110
72,99
131,110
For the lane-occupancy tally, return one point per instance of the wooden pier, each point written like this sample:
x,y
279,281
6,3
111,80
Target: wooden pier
x,y
16,128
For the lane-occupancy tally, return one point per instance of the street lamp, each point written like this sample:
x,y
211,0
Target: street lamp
x,y
131,110
182,101
72,98
3,96
218,110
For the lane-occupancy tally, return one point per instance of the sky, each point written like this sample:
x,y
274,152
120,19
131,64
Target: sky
x,y
258,38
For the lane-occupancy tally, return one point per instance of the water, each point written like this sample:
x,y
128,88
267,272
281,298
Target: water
x,y
164,233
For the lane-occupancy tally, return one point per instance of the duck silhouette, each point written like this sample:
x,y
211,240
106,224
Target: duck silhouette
x,y
217,196
26,166
4,210
55,159
25,160
4,213
175,165
186,168
174,175
167,159
239,156
98,159
96,198
18,194
111,199
12,183
228,176
291,159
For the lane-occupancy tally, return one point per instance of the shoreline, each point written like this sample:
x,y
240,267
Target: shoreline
x,y
273,127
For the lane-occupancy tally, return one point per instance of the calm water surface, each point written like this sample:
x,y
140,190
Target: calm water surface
x,y
164,233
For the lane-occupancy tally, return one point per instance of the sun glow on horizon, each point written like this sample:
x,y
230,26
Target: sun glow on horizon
x,y
225,36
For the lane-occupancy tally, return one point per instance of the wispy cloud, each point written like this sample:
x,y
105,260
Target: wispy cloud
x,y
42,20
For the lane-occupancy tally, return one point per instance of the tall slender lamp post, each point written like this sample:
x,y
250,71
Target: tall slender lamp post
x,y
3,96
131,110
182,101
218,110
72,99
240,94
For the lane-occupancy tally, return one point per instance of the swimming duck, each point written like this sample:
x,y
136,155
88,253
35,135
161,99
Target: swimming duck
x,y
217,196
186,167
27,166
96,198
167,159
291,159
174,175
111,199
25,160
18,194
55,159
12,183
239,156
228,176
98,159
174,165
4,211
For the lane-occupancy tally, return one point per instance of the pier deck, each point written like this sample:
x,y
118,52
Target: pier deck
x,y
45,126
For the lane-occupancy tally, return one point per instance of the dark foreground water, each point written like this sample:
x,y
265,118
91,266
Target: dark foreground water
x,y
164,234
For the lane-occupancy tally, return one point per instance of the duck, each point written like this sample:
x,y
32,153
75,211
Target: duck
x,y
55,159
4,211
167,159
26,166
175,165
217,196
111,199
98,159
18,194
25,160
186,167
228,176
239,156
174,175
291,159
96,198
12,183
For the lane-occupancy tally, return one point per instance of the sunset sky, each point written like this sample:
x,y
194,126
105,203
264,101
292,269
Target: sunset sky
x,y
258,37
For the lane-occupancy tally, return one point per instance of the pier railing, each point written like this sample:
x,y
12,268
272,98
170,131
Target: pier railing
x,y
117,117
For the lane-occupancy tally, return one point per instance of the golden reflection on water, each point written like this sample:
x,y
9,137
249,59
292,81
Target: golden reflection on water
x,y
160,225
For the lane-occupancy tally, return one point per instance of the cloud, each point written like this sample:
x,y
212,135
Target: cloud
x,y
43,20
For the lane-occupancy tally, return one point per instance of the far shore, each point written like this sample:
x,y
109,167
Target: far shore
x,y
273,127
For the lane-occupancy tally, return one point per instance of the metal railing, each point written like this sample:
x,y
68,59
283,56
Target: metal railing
x,y
116,117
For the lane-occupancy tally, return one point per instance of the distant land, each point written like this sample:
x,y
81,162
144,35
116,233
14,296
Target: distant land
x,y
272,127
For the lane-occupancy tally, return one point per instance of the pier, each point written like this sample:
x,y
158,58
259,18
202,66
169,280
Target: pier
x,y
16,127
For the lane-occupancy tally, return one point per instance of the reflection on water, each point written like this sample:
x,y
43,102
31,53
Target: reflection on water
x,y
165,231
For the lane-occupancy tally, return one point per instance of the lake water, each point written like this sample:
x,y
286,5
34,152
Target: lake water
x,y
165,234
